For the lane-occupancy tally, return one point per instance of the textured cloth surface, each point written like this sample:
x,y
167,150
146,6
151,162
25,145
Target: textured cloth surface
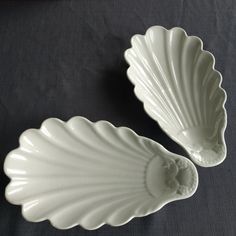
x,y
65,58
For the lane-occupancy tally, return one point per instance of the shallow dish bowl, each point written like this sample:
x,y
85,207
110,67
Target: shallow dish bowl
x,y
90,174
180,89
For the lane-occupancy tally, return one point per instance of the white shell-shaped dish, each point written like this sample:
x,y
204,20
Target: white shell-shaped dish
x,y
180,89
90,174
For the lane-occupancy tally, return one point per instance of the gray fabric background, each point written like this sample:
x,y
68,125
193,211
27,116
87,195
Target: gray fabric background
x,y
65,58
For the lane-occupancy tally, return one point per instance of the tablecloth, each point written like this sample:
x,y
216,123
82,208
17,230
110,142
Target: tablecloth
x,y
65,58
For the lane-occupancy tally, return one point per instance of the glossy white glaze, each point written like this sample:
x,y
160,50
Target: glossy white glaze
x,y
176,80
84,173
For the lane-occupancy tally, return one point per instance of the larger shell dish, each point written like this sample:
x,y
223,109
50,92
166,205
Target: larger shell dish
x,y
176,80
90,174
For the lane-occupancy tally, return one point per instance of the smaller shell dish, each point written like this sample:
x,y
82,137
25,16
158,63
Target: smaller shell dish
x,y
180,89
90,174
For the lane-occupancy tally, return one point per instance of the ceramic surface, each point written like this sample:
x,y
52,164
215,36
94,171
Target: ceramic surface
x,y
88,174
176,80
